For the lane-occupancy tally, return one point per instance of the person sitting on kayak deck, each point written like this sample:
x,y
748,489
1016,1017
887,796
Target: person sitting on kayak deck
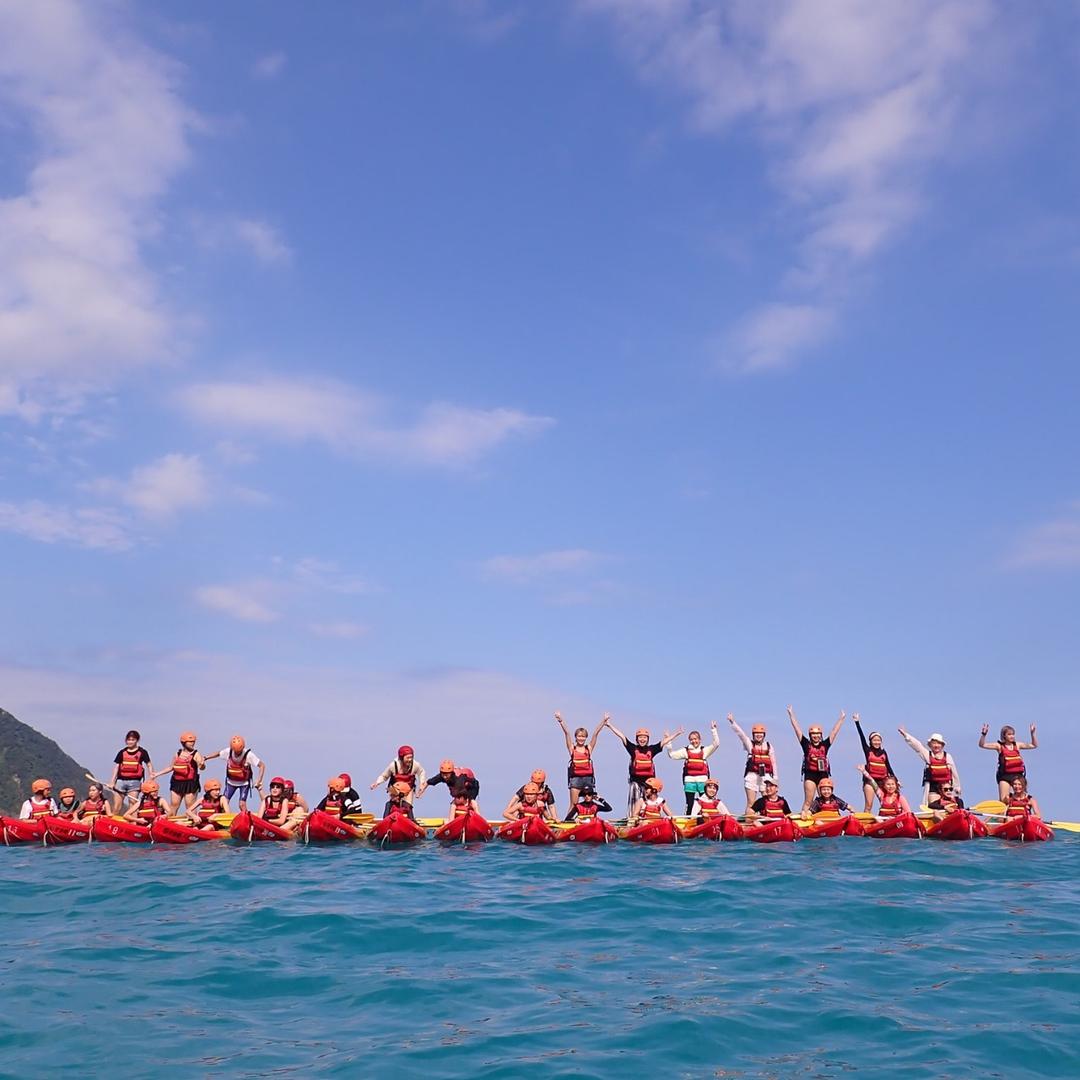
x,y
1010,762
827,802
275,805
150,805
695,768
67,806
95,803
878,765
1020,802
760,760
547,796
531,803
187,763
708,804
333,802
209,806
588,805
642,764
40,804
131,767
240,765
351,796
890,801
651,806
398,801
940,767
405,768
815,748
288,810
772,804
463,794
945,802
580,772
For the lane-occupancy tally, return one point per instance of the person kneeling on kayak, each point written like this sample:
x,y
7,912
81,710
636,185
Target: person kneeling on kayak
x,y
588,805
708,803
890,802
67,805
40,804
95,803
150,805
546,797
209,806
826,802
652,807
1020,802
772,804
398,803
529,805
945,802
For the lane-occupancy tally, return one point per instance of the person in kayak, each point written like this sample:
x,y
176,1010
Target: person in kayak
x,y
1020,801
580,773
67,806
1010,762
694,757
760,761
588,806
945,802
95,803
150,805
240,765
708,804
404,768
878,765
827,802
642,764
351,796
815,748
890,801
211,804
547,796
530,803
187,763
940,767
275,806
446,775
333,802
40,804
463,794
398,801
772,804
131,767
289,811
651,806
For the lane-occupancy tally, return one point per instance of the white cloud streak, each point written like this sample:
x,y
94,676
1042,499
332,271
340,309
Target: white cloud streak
x,y
248,602
97,528
172,483
269,66
543,566
1051,545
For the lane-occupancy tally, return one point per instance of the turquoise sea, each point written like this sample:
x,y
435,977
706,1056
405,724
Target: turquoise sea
x,y
826,958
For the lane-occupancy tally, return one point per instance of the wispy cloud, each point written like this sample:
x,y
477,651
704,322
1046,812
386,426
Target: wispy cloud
x,y
543,566
269,66
1051,545
98,528
354,422
251,237
249,601
343,630
327,576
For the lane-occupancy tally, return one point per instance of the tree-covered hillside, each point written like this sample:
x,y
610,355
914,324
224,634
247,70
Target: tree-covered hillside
x,y
26,754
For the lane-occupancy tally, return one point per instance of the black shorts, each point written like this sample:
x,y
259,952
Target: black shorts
x,y
1011,776
817,777
184,787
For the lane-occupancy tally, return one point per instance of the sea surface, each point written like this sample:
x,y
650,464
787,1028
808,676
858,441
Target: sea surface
x,y
825,958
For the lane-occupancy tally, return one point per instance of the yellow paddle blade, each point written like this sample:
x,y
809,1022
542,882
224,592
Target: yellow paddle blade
x,y
1066,826
865,818
223,820
989,806
430,822
359,819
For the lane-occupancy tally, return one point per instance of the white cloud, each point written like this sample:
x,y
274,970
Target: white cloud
x,y
173,482
770,337
78,303
526,569
88,527
327,576
263,241
248,602
342,629
269,66
354,422
1052,545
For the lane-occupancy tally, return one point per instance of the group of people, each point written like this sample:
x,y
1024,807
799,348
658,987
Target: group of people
x,y
137,796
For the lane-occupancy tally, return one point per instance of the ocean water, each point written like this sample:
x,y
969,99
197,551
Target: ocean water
x,y
825,958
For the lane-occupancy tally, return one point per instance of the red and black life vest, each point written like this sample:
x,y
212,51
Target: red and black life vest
x,y
581,761
461,806
1010,760
652,811
708,807
877,764
695,764
272,808
207,808
890,805
334,805
816,758
774,808
760,759
184,768
237,770
527,810
91,808
830,804
586,811
401,776
641,764
40,809
947,806
149,808
131,764
938,769
1018,806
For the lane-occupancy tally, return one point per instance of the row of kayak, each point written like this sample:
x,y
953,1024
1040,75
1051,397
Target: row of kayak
x,y
472,828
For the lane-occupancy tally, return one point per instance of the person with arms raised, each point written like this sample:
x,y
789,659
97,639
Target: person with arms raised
x,y
940,767
815,748
642,760
760,761
877,763
1010,762
695,763
580,772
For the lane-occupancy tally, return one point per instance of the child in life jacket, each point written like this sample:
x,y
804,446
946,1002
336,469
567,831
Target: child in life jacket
x,y
131,767
211,804
890,802
150,805
95,803
652,806
580,772
184,785
529,805
240,765
333,802
398,801
546,797
708,804
464,793
40,804
1020,801
1010,762
275,806
827,802
67,806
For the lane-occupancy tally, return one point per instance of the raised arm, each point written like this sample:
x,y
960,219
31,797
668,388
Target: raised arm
x,y
615,731
915,745
599,727
715,744
743,737
983,744
837,726
566,734
862,738
867,778
669,738
794,723
1033,745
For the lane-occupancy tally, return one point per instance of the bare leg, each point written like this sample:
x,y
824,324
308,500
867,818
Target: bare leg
x,y
574,796
174,803
1004,790
809,793
750,793
868,795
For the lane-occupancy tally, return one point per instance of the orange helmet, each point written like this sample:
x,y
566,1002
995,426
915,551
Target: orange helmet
x,y
711,783
212,785
654,783
641,731
824,782
815,729
531,789
400,787
149,787
335,783
758,729
67,793
237,743
538,776
38,786
446,766
187,736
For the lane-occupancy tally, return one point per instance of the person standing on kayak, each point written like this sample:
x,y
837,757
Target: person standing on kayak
x,y
760,761
878,765
826,802
240,763
695,768
131,767
890,801
588,806
547,796
940,767
772,804
40,804
815,748
187,763
1020,802
150,805
642,764
580,772
1010,762
529,801
708,804
406,769
211,804
651,806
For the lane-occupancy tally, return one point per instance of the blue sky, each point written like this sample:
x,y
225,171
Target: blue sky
x,y
409,373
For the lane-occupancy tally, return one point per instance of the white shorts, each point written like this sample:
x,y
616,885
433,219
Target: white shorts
x,y
752,782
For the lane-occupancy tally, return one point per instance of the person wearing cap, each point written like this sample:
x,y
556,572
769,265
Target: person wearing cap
x,y
694,757
588,805
40,804
877,766
826,801
406,769
642,764
580,772
398,801
209,806
760,760
67,806
534,793
150,804
184,783
95,803
890,801
131,767
351,796
1010,762
772,804
940,767
708,803
240,765
815,763
651,806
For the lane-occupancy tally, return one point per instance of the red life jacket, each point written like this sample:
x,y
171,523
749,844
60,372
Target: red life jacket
x,y
67,813
535,810
695,764
461,806
207,808
760,759
890,805
402,776
938,769
816,758
828,804
641,764
149,808
877,766
581,761
586,811
652,811
237,770
184,768
708,807
272,807
334,805
1010,760
948,807
40,809
774,808
1018,806
91,807
131,764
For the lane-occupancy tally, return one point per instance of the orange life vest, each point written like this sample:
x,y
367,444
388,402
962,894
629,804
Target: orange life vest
x,y
131,764
708,807
695,764
184,768
890,805
938,769
237,770
1010,760
760,759
1018,806
652,811
40,809
774,808
877,764
149,808
641,764
581,761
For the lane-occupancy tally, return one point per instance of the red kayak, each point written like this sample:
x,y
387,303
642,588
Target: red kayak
x,y
321,827
959,825
837,826
530,830
110,830
166,831
67,830
465,829
248,826
23,831
663,831
396,828
594,831
902,826
1023,827
724,827
777,830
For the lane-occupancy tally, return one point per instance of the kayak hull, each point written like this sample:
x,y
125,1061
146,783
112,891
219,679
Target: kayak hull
x,y
396,829
664,831
813,830
323,828
23,831
590,832
780,830
467,828
1023,828
67,830
724,827
959,825
166,831
110,830
531,831
900,827
251,827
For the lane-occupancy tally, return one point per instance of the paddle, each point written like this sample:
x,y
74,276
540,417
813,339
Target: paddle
x,y
100,783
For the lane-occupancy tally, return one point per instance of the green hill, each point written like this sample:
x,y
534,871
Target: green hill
x,y
26,754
